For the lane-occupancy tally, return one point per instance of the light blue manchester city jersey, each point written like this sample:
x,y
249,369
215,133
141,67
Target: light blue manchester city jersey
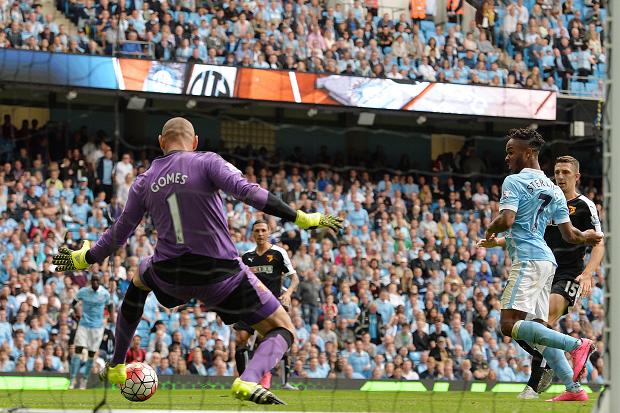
x,y
93,305
536,201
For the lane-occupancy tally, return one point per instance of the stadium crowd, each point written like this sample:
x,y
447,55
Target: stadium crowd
x,y
402,293
539,44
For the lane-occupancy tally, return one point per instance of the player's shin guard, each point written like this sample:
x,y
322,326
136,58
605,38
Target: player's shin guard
x,y
536,333
268,354
556,359
241,358
127,321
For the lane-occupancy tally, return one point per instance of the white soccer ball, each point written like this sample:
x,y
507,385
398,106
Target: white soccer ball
x,y
141,382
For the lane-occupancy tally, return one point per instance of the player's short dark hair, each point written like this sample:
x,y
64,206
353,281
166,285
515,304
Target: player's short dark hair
x,y
259,221
568,159
533,139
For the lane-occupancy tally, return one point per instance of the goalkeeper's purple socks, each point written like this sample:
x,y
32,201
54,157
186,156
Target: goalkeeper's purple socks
x,y
127,321
266,356
122,337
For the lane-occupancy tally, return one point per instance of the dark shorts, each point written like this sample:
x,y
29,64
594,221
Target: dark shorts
x,y
567,287
227,287
243,326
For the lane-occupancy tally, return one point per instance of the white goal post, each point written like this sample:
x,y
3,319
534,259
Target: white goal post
x,y
611,186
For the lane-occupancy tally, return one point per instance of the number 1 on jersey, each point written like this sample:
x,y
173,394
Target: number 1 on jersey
x,y
175,214
546,201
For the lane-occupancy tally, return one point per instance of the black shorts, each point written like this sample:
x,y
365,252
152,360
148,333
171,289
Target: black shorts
x,y
243,326
222,285
567,288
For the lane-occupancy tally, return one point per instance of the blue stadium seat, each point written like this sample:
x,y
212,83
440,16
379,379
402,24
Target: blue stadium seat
x,y
591,87
74,228
194,18
415,356
144,331
577,88
176,15
500,12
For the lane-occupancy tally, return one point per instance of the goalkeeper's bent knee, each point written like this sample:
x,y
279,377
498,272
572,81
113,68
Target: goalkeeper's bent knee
x,y
282,332
133,303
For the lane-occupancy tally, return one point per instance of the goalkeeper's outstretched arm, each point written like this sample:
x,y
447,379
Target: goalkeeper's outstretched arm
x,y
230,179
113,238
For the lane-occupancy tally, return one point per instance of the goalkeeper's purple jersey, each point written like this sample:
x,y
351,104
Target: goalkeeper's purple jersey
x,y
180,191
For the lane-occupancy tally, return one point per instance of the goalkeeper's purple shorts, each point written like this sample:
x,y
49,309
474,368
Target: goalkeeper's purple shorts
x,y
227,287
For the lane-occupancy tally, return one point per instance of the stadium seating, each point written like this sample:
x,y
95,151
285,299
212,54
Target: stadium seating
x,y
157,30
409,249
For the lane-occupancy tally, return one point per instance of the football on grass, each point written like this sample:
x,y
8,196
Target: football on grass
x,y
141,382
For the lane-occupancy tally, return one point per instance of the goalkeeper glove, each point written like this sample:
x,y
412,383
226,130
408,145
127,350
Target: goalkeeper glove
x,y
317,220
68,260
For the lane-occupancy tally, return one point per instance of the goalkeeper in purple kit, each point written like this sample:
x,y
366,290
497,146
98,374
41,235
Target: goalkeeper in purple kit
x,y
195,256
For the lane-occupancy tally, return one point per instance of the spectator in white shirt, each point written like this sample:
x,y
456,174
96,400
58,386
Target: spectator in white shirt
x,y
123,168
426,71
393,73
524,14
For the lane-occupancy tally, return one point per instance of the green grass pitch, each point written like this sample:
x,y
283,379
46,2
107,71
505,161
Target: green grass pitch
x,y
299,401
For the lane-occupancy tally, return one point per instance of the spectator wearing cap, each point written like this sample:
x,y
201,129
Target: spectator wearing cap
x,y
84,190
201,54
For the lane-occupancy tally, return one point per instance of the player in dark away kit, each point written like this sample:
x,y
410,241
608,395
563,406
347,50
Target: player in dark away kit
x,y
271,264
195,256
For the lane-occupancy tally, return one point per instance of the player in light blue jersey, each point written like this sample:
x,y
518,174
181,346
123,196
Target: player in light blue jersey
x,y
90,330
529,202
